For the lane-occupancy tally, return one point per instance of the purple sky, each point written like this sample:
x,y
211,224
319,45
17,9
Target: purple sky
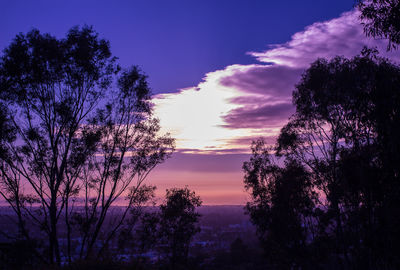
x,y
174,41
223,71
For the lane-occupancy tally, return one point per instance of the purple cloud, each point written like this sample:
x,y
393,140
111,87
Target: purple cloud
x,y
228,162
270,140
255,100
342,36
264,80
259,116
272,84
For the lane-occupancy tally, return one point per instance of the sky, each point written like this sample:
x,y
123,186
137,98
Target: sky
x,y
222,71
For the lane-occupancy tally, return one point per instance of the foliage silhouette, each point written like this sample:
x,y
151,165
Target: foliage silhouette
x,y
282,206
77,133
178,224
344,136
381,20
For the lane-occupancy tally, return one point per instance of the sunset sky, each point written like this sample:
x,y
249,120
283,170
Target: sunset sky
x,y
222,71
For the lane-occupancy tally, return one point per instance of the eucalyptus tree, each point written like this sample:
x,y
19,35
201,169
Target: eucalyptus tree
x,y
345,131
77,134
339,167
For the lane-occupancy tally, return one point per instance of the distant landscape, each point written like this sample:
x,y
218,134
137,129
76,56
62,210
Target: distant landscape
x,y
222,229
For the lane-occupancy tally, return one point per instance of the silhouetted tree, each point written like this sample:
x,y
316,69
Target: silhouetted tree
x,y
67,133
381,19
178,224
281,208
345,132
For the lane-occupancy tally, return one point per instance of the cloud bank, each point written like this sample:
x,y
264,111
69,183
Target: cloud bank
x,y
232,106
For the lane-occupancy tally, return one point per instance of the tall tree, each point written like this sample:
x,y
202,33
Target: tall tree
x,y
70,132
347,113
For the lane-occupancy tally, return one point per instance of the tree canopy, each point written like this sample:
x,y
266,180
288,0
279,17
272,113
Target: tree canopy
x,y
344,135
77,133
